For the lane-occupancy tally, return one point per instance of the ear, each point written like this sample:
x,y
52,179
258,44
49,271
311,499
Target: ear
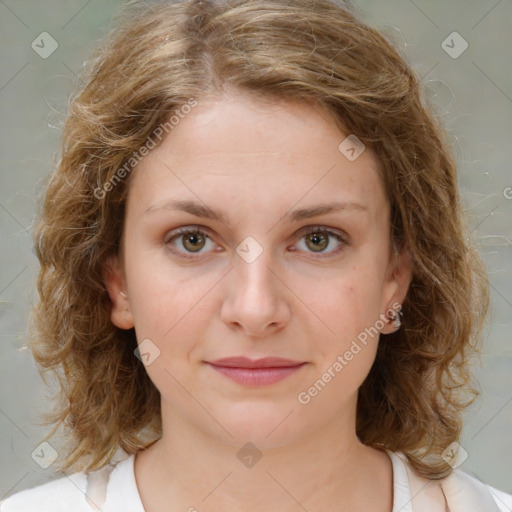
x,y
398,279
114,279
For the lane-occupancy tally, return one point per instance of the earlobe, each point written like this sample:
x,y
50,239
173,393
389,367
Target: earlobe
x,y
113,277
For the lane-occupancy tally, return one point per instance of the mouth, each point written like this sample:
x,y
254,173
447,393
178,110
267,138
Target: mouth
x,y
255,373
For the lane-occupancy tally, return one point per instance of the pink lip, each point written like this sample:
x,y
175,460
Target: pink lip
x,y
260,372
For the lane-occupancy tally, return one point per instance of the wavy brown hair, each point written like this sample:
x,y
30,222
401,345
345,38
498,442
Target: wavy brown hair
x,y
159,55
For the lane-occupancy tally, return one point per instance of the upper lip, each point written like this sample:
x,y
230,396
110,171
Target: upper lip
x,y
265,362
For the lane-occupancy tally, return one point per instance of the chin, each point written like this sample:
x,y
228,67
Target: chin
x,y
267,426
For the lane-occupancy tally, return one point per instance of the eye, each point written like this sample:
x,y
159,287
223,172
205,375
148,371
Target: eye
x,y
317,239
192,239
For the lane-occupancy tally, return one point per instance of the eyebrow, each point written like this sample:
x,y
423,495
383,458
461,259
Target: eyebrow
x,y
201,210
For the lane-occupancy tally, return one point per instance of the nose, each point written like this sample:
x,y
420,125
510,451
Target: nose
x,y
256,298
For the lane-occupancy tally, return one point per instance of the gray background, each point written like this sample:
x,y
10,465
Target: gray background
x,y
472,94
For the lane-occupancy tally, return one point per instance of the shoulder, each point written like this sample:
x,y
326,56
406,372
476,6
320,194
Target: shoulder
x,y
111,488
58,495
464,490
458,492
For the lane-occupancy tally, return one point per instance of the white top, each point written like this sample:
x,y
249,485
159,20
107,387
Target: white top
x,y
114,489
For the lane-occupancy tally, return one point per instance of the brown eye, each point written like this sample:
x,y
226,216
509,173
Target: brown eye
x,y
193,241
187,241
317,241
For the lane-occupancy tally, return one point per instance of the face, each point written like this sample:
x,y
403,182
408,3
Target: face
x,y
273,274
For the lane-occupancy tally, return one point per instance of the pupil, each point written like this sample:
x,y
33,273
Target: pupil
x,y
192,240
318,239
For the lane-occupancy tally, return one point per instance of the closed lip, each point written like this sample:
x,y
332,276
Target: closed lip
x,y
265,362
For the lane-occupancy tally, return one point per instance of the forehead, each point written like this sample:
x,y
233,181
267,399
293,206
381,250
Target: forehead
x,y
238,150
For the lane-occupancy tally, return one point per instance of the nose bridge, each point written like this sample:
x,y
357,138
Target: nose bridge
x,y
255,299
252,266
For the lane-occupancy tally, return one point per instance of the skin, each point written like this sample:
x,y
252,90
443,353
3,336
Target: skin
x,y
257,161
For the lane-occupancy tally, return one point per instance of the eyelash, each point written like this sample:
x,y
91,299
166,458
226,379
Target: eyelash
x,y
302,233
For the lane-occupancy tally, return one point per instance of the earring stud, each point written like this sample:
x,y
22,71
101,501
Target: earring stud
x,y
395,318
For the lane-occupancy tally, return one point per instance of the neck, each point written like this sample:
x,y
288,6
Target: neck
x,y
329,469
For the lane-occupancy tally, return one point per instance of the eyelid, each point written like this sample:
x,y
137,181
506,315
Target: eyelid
x,y
320,227
300,231
174,233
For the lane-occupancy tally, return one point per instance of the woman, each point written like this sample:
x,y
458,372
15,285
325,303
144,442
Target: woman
x,y
255,279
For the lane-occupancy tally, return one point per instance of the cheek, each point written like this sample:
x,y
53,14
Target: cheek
x,y
169,314
345,357
351,303
167,304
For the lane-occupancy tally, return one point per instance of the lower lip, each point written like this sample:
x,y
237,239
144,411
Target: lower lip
x,y
254,377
